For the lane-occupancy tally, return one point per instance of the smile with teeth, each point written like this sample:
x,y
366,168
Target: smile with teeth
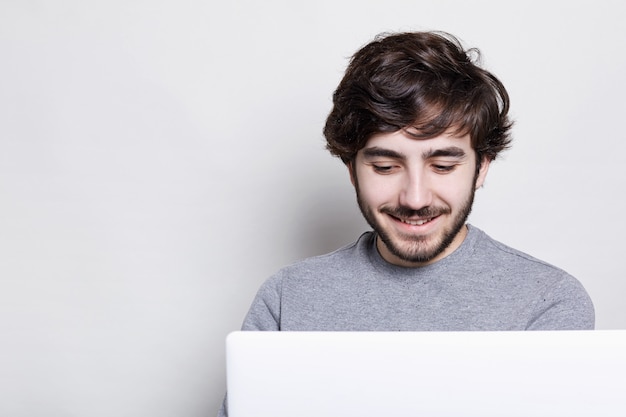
x,y
417,222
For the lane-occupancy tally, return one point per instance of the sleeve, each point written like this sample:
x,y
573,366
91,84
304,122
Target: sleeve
x,y
564,306
223,411
264,313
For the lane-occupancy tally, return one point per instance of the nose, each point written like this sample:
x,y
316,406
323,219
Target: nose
x,y
416,192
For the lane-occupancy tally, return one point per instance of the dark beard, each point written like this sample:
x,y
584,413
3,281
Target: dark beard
x,y
418,252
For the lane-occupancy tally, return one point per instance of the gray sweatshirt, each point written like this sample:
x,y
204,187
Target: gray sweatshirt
x,y
483,285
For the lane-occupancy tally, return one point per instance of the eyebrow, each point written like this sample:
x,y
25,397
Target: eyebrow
x,y
376,152
450,151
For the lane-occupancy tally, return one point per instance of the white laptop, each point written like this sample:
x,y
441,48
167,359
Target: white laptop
x,y
427,374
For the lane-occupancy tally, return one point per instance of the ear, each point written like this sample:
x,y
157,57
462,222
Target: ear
x,y
482,173
350,166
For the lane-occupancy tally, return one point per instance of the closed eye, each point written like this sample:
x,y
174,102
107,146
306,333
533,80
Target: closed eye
x,y
383,169
443,169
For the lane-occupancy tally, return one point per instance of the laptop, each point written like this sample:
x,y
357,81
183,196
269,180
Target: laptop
x,y
427,374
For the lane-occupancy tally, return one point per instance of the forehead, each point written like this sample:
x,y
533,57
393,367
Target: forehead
x,y
403,142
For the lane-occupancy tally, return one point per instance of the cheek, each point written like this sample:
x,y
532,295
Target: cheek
x,y
376,189
374,194
456,192
453,188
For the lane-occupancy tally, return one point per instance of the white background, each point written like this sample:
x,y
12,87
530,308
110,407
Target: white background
x,y
160,159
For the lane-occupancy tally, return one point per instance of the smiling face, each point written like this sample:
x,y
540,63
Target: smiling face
x,y
417,193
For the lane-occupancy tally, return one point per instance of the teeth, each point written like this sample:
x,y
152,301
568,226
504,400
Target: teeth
x,y
416,222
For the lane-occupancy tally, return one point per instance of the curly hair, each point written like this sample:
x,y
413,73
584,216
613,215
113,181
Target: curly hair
x,y
425,81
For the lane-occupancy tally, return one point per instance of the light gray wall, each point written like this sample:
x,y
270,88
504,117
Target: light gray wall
x,y
160,159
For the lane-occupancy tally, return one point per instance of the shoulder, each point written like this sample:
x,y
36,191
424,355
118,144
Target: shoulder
x,y
331,265
520,270
558,299
525,269
497,254
334,261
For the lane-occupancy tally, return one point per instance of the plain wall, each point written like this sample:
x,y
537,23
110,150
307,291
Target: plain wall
x,y
160,159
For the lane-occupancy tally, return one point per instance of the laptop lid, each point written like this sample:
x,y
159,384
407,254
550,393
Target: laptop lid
x,y
431,374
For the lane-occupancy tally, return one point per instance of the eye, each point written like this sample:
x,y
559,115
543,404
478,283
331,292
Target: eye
x,y
383,169
443,169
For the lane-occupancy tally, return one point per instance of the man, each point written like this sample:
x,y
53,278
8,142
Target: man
x,y
417,124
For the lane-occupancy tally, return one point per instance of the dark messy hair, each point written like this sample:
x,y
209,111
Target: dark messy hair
x,y
422,81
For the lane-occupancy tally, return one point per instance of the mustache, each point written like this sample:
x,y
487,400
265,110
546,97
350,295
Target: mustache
x,y
404,212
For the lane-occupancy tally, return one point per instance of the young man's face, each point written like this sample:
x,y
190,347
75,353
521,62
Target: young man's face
x,y
417,193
